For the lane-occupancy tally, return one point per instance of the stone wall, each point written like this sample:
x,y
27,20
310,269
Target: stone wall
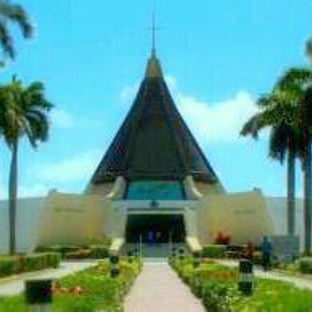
x,y
243,215
76,219
73,219
29,214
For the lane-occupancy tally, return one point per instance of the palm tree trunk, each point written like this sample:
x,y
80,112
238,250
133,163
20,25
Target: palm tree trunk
x,y
13,198
291,184
307,198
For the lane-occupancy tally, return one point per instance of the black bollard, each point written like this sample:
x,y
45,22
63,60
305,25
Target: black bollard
x,y
181,253
246,277
38,295
114,261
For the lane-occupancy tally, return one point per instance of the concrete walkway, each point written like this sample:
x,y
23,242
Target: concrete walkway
x,y
15,285
159,289
299,282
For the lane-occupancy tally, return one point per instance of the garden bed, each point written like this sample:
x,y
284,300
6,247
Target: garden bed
x,y
216,286
87,291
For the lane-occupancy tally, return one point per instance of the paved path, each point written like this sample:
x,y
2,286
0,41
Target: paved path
x,y
15,285
159,289
300,282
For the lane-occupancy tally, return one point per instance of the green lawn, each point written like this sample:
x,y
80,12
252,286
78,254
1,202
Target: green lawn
x,y
87,291
216,285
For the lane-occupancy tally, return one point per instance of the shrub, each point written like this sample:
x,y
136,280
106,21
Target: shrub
x,y
54,260
18,264
211,282
216,296
214,251
61,249
305,265
222,238
8,266
78,255
99,251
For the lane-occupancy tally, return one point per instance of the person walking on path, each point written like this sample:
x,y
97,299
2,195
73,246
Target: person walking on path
x,y
266,253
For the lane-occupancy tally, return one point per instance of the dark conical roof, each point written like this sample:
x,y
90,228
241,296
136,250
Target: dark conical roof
x,y
154,142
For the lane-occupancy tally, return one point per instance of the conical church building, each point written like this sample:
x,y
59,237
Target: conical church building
x,y
153,183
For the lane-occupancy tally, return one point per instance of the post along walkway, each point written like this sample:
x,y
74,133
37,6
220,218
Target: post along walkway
x,y
159,289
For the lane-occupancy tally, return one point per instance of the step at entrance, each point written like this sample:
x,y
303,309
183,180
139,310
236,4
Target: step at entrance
x,y
155,250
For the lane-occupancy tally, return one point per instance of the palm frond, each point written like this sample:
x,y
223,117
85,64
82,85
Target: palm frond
x,y
16,13
13,13
252,127
294,79
6,40
279,142
25,112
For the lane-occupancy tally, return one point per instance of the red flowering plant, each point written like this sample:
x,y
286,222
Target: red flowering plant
x,y
222,238
74,290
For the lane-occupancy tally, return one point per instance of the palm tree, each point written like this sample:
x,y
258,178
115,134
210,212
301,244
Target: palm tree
x,y
283,141
14,14
24,112
297,84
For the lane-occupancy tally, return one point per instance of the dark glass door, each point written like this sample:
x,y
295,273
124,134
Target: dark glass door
x,y
155,229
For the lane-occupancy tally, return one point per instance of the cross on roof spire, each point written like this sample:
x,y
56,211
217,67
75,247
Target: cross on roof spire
x,y
153,33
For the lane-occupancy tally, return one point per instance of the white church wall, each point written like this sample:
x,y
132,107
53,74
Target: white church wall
x,y
29,212
277,207
243,215
73,219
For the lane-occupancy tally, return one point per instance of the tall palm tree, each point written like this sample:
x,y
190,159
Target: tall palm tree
x,y
283,141
11,13
24,112
297,84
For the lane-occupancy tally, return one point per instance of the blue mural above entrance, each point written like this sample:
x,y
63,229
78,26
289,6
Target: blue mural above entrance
x,y
155,190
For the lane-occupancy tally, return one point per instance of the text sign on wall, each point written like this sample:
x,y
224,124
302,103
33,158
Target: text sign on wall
x,y
286,247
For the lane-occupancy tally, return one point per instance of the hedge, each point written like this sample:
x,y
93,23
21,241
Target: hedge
x,y
214,251
72,252
10,265
305,265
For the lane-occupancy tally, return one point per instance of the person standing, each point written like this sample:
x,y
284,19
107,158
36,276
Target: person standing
x,y
150,238
266,253
249,251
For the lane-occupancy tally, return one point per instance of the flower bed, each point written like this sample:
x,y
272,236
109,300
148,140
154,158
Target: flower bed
x,y
87,291
10,265
216,285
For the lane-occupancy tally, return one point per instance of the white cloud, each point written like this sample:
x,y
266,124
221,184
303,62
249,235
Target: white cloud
x,y
76,168
217,122
128,93
172,83
35,190
213,122
62,119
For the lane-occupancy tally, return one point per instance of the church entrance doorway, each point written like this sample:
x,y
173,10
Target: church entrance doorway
x,y
155,229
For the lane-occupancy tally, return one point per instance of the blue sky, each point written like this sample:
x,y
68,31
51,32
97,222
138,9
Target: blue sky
x,y
218,57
